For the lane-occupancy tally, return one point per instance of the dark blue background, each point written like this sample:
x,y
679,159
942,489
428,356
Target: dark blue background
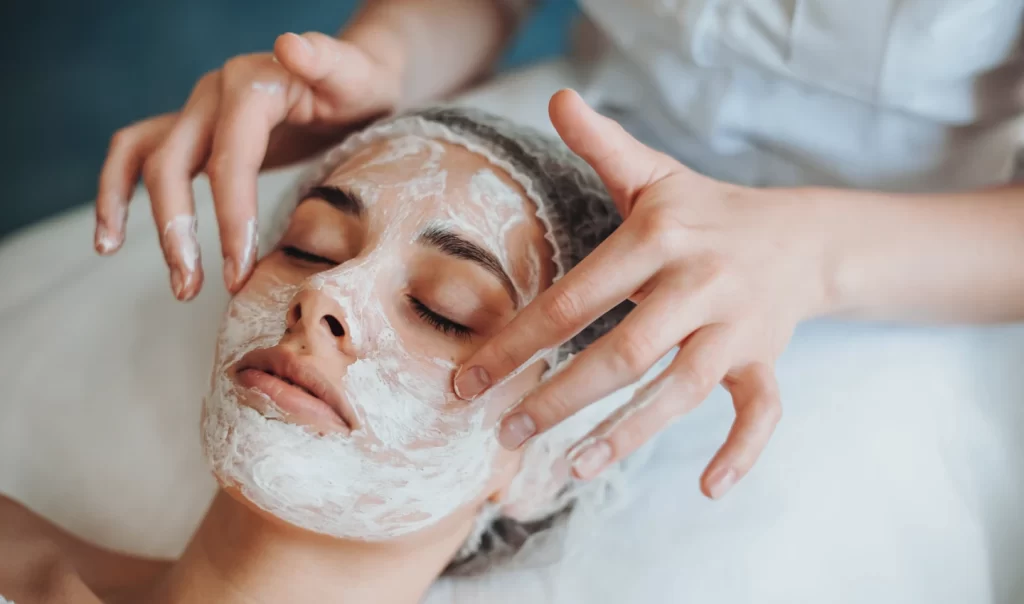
x,y
76,71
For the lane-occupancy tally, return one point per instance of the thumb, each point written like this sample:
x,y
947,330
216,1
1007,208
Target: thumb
x,y
624,164
329,66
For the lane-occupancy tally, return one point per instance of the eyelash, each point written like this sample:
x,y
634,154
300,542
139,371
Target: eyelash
x,y
435,320
440,322
294,252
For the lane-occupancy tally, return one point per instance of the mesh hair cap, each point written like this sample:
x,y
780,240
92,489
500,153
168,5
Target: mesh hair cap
x,y
578,214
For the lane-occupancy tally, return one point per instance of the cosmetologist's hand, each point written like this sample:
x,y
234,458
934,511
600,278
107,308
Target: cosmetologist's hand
x,y
259,110
724,272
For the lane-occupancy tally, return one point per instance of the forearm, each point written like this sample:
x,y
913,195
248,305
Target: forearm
x,y
435,46
938,258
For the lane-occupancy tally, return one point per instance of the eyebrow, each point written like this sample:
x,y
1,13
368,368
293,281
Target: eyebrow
x,y
346,201
456,246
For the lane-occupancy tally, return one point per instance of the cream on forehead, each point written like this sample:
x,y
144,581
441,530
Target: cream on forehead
x,y
398,132
495,208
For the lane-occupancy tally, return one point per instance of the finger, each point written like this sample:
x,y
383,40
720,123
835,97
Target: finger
x,y
755,394
128,150
698,367
324,63
168,175
616,360
239,145
624,164
610,274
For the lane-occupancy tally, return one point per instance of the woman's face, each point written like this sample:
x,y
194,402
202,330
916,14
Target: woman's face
x,y
331,404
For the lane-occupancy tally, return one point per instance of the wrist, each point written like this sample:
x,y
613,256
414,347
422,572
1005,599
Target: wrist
x,y
837,274
869,249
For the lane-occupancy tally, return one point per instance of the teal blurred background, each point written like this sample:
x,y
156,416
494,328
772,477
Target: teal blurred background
x,y
76,71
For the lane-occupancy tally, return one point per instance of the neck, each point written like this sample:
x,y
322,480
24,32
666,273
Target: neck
x,y
241,556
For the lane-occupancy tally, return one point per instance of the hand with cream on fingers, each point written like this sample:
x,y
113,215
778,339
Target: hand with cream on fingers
x,y
723,272
257,111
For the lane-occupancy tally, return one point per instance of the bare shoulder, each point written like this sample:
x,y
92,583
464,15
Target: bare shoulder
x,y
41,562
32,568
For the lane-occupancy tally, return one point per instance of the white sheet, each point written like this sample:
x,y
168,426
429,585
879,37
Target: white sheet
x,y
897,474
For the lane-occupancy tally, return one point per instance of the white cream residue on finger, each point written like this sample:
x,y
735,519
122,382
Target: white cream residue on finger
x,y
180,238
252,244
268,87
109,239
642,399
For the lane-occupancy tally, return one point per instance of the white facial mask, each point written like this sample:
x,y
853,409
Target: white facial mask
x,y
421,453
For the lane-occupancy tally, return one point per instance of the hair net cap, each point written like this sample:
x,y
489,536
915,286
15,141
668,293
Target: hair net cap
x,y
577,214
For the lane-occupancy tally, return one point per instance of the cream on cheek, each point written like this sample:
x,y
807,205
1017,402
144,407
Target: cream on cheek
x,y
421,453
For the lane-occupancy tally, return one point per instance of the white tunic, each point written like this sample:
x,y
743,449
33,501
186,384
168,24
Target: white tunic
x,y
891,94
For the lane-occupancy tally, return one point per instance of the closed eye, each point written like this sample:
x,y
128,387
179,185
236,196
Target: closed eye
x,y
294,252
440,322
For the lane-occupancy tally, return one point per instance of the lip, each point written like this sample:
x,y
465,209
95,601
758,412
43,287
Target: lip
x,y
295,385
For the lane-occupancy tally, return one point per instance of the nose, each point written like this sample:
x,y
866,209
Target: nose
x,y
317,316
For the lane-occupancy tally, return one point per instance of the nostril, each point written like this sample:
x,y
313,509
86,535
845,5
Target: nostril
x,y
296,314
334,325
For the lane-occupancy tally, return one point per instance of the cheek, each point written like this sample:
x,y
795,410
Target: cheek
x,y
256,315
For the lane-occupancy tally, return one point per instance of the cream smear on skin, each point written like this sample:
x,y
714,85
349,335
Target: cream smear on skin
x,y
180,232
420,453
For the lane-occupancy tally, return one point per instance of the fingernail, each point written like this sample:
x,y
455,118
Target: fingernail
x,y
515,430
305,43
721,481
230,273
471,382
105,244
177,282
587,462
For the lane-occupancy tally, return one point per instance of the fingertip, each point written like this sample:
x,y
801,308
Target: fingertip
x,y
104,243
515,430
293,51
590,457
717,482
563,108
231,272
560,99
471,382
192,285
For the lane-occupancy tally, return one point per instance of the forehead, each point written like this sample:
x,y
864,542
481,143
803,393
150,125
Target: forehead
x,y
430,173
409,183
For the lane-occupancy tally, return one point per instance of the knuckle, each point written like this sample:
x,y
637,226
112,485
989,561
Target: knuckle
x,y
217,166
153,169
628,437
565,308
208,79
633,433
549,408
236,65
771,409
124,137
504,357
633,353
695,382
662,230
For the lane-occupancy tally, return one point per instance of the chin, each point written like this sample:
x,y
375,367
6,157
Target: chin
x,y
335,484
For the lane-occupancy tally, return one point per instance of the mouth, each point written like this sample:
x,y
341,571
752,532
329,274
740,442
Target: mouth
x,y
296,386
